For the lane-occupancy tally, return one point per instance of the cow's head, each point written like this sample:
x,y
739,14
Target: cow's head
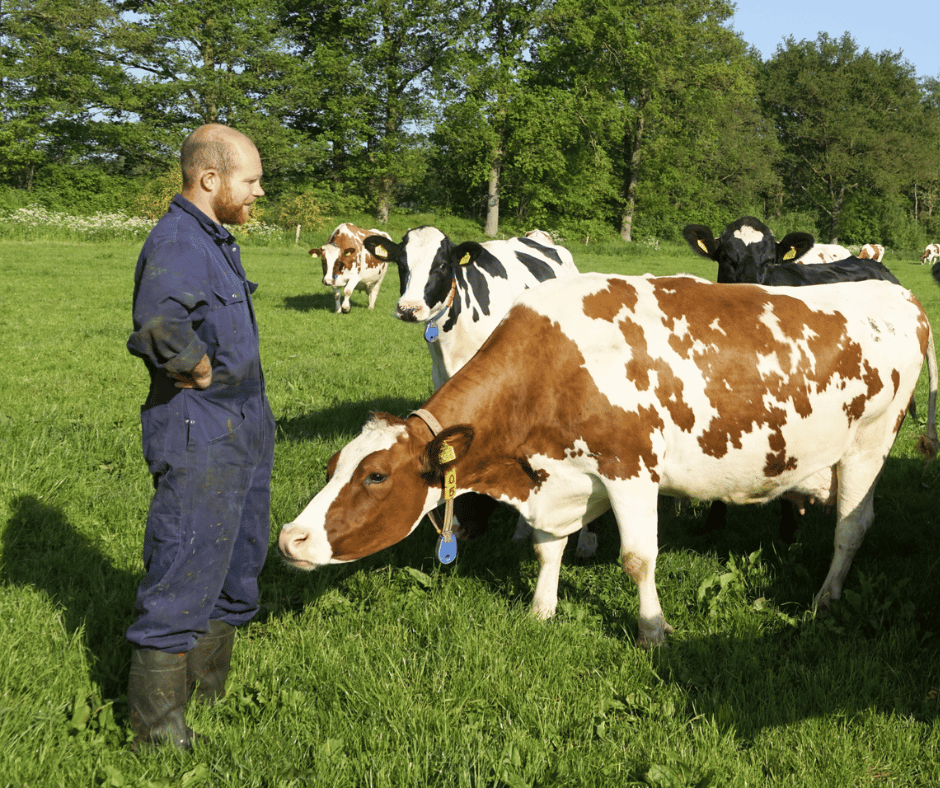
x,y
338,260
426,259
378,488
745,248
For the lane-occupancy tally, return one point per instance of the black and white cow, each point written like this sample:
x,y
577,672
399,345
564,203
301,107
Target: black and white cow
x,y
461,292
746,252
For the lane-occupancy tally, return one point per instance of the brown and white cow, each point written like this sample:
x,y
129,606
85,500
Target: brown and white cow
x,y
931,253
824,253
349,266
540,237
600,392
872,252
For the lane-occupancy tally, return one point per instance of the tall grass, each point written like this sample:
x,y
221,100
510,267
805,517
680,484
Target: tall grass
x,y
394,671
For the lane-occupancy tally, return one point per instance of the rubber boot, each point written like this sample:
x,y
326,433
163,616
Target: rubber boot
x,y
156,699
208,663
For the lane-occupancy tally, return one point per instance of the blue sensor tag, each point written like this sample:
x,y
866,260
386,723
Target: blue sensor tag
x,y
431,332
446,549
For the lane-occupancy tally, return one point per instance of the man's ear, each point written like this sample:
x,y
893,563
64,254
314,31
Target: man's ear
x,y
445,450
210,181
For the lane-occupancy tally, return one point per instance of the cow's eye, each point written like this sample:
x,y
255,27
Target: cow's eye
x,y
376,478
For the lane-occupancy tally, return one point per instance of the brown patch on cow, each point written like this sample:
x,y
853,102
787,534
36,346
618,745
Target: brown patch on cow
x,y
607,304
737,327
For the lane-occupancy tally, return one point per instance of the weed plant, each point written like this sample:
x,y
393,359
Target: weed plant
x,y
395,671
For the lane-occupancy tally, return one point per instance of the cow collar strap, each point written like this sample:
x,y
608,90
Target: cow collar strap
x,y
446,543
431,330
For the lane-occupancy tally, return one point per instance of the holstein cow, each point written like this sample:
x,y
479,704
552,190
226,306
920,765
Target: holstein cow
x,y
348,265
746,252
872,252
600,392
462,292
931,253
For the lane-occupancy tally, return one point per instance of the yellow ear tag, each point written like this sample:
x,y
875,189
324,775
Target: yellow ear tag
x,y
450,484
791,253
314,255
447,453
701,245
381,251
465,259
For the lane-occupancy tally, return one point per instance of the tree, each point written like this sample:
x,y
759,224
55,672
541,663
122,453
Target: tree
x,y
53,85
383,57
638,65
847,122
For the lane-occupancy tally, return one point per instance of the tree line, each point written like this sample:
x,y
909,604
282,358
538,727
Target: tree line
x,y
593,117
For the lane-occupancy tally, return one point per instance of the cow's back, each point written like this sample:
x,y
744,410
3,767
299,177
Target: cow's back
x,y
702,383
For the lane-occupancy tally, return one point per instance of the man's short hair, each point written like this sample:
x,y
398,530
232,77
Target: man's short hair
x,y
202,151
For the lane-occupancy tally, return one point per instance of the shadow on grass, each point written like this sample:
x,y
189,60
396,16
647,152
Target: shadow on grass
x,y
343,419
44,551
313,302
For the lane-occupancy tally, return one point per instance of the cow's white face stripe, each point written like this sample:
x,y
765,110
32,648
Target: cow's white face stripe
x,y
749,235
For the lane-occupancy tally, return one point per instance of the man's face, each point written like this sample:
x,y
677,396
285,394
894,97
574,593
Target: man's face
x,y
240,189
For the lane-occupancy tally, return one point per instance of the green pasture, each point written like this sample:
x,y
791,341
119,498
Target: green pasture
x,y
394,671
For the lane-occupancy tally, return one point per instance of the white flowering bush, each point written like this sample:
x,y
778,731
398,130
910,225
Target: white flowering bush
x,y
38,223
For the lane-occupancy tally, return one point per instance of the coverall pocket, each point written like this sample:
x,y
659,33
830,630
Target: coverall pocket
x,y
210,422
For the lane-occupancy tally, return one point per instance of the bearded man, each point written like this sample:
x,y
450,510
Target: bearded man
x,y
208,439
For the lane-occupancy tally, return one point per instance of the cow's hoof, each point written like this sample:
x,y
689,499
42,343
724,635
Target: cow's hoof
x,y
655,637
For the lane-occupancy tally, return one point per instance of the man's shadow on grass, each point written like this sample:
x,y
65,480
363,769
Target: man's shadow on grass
x,y
42,550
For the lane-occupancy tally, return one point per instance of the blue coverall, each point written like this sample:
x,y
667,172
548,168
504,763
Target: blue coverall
x,y
210,451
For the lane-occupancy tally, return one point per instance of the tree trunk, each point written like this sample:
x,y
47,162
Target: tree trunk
x,y
492,199
633,146
384,203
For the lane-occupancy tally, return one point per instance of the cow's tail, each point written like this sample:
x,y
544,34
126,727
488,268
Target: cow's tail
x,y
927,444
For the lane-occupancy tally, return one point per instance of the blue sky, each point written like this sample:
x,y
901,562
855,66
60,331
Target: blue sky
x,y
909,26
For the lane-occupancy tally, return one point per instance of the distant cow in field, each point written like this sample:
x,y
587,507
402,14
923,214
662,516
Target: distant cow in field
x,y
931,253
823,253
541,237
599,392
872,252
349,266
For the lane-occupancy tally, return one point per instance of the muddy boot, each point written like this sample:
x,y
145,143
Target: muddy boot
x,y
156,699
208,663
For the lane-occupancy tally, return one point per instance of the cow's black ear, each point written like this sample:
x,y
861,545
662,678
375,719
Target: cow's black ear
x,y
382,248
318,252
447,449
700,239
794,246
466,253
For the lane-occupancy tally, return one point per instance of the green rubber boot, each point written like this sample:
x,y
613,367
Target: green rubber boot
x,y
208,663
156,697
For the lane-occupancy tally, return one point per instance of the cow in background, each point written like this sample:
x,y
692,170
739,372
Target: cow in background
x,y
874,252
540,237
746,252
349,266
824,253
931,253
461,292
601,392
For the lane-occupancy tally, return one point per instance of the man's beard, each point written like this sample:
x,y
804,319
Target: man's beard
x,y
227,211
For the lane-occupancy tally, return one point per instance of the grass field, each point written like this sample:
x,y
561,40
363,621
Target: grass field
x,y
395,671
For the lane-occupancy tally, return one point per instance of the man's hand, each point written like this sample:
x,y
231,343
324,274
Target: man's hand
x,y
199,377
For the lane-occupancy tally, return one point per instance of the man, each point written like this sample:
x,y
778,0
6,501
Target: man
x,y
208,439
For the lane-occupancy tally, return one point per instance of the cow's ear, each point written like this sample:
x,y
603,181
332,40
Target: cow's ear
x,y
445,450
700,239
318,252
794,246
382,249
468,252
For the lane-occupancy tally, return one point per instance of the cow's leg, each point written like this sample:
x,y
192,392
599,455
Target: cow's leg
x,y
337,297
549,550
374,288
854,516
635,506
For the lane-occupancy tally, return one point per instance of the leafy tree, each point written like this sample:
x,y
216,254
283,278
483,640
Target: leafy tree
x,y
847,121
643,69
53,85
205,61
371,72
